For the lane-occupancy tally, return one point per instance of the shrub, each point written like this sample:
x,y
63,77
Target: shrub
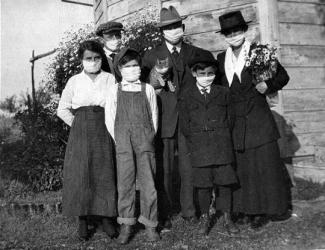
x,y
38,159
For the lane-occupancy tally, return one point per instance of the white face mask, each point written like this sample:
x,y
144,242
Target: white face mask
x,y
236,41
205,81
92,66
131,74
113,44
174,36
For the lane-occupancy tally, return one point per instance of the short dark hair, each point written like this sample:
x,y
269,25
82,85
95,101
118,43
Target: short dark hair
x,y
202,66
129,56
91,45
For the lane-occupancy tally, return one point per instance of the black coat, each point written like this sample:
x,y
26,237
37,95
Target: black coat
x,y
206,125
254,124
108,66
182,77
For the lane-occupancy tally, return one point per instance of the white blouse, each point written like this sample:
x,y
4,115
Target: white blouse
x,y
111,103
80,91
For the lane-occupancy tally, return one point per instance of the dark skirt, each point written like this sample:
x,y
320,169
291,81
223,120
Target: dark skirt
x,y
89,186
264,186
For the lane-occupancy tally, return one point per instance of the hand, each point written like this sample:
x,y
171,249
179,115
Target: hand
x,y
261,87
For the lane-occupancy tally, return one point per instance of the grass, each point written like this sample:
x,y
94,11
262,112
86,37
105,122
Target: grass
x,y
57,232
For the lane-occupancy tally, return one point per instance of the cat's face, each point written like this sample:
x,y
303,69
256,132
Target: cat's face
x,y
162,65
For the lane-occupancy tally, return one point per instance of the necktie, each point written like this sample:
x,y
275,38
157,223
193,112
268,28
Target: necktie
x,y
204,92
112,56
175,53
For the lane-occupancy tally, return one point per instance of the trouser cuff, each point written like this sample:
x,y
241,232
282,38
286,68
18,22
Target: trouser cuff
x,y
147,223
126,221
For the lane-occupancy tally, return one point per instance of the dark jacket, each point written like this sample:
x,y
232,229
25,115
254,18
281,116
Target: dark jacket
x,y
254,124
205,124
182,77
108,66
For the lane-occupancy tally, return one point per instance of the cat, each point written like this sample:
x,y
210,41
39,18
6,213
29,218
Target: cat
x,y
161,75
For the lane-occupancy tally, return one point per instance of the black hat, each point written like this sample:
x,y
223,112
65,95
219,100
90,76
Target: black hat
x,y
108,27
232,20
202,56
122,53
169,16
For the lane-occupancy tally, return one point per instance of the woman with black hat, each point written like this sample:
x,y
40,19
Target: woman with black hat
x,y
263,189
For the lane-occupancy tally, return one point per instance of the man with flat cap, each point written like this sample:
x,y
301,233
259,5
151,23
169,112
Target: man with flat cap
x,y
179,54
110,33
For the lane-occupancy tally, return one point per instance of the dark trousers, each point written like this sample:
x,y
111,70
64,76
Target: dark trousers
x,y
167,177
222,198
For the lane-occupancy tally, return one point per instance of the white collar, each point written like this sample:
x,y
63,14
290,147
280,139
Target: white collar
x,y
84,74
208,88
171,46
108,52
232,67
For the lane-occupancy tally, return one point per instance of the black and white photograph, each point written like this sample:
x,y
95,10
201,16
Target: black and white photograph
x,y
162,124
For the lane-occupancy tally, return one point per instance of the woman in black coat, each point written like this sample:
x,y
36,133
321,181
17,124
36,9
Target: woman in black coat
x,y
263,187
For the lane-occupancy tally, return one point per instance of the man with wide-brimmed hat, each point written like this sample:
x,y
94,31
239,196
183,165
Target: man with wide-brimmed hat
x,y
179,54
111,34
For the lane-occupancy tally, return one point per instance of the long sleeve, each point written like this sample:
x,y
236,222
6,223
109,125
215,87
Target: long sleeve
x,y
110,109
152,98
65,104
279,81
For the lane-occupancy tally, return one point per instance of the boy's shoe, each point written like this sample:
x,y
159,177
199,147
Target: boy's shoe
x,y
109,228
205,224
125,234
229,225
152,234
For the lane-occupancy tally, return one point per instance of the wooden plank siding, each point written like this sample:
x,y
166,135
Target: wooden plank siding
x,y
99,9
302,38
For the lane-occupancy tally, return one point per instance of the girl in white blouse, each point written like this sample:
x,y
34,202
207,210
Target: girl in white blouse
x,y
89,187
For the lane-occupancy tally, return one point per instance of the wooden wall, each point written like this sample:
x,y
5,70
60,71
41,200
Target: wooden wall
x,y
301,35
202,20
302,39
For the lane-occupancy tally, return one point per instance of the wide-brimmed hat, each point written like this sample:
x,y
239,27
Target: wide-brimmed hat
x,y
108,27
169,16
202,56
232,20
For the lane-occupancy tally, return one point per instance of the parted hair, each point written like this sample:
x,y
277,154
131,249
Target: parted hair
x,y
91,45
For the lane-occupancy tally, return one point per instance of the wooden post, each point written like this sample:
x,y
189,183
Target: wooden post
x,y
33,83
32,60
269,32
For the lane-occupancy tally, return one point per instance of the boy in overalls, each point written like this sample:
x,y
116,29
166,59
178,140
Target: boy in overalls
x,y
131,118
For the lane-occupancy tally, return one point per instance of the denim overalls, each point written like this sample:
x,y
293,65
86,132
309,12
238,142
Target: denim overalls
x,y
135,153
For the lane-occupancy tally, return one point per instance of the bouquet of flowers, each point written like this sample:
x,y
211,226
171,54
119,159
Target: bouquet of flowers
x,y
262,62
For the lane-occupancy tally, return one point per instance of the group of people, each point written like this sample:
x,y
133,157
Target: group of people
x,y
136,121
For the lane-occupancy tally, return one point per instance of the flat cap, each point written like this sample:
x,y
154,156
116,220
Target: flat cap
x,y
108,27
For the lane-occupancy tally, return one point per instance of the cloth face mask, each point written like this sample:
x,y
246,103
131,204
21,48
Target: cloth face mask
x,y
235,41
131,74
174,36
113,44
92,66
205,81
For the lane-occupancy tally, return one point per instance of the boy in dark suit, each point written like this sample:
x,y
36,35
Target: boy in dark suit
x,y
179,54
204,120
